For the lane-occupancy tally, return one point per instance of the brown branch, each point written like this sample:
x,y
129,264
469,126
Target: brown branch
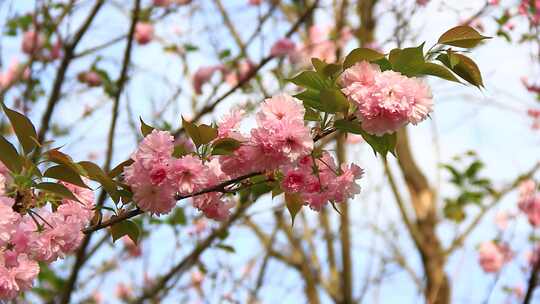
x,y
191,258
458,241
56,92
533,282
132,213
210,107
81,257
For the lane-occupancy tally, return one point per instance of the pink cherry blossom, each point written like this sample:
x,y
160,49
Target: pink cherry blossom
x,y
56,50
212,205
162,3
386,100
243,70
155,199
91,78
203,75
324,185
13,73
156,146
281,107
133,249
188,174
144,32
32,42
283,47
124,291
501,220
228,125
18,277
529,201
492,256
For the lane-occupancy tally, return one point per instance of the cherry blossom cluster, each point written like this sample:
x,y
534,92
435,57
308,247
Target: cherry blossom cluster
x,y
280,145
231,75
530,9
317,45
493,256
44,234
157,178
34,43
14,72
529,201
386,101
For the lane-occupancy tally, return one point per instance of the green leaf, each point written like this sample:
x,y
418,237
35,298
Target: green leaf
x,y
381,144
207,133
200,135
394,55
66,174
294,204
361,54
228,248
333,101
178,217
327,70
57,189
319,65
57,157
462,36
192,131
9,156
408,61
311,98
120,168
310,79
24,129
438,71
384,64
95,173
145,129
179,151
454,212
473,169
468,70
348,126
225,146
311,115
123,228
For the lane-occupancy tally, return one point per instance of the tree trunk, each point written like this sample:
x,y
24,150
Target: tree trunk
x,y
423,199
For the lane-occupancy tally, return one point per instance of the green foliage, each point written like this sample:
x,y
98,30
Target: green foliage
x,y
24,129
66,174
120,168
145,129
437,70
408,61
201,134
95,173
463,66
56,189
471,187
225,146
361,54
123,228
380,144
294,204
9,156
462,36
